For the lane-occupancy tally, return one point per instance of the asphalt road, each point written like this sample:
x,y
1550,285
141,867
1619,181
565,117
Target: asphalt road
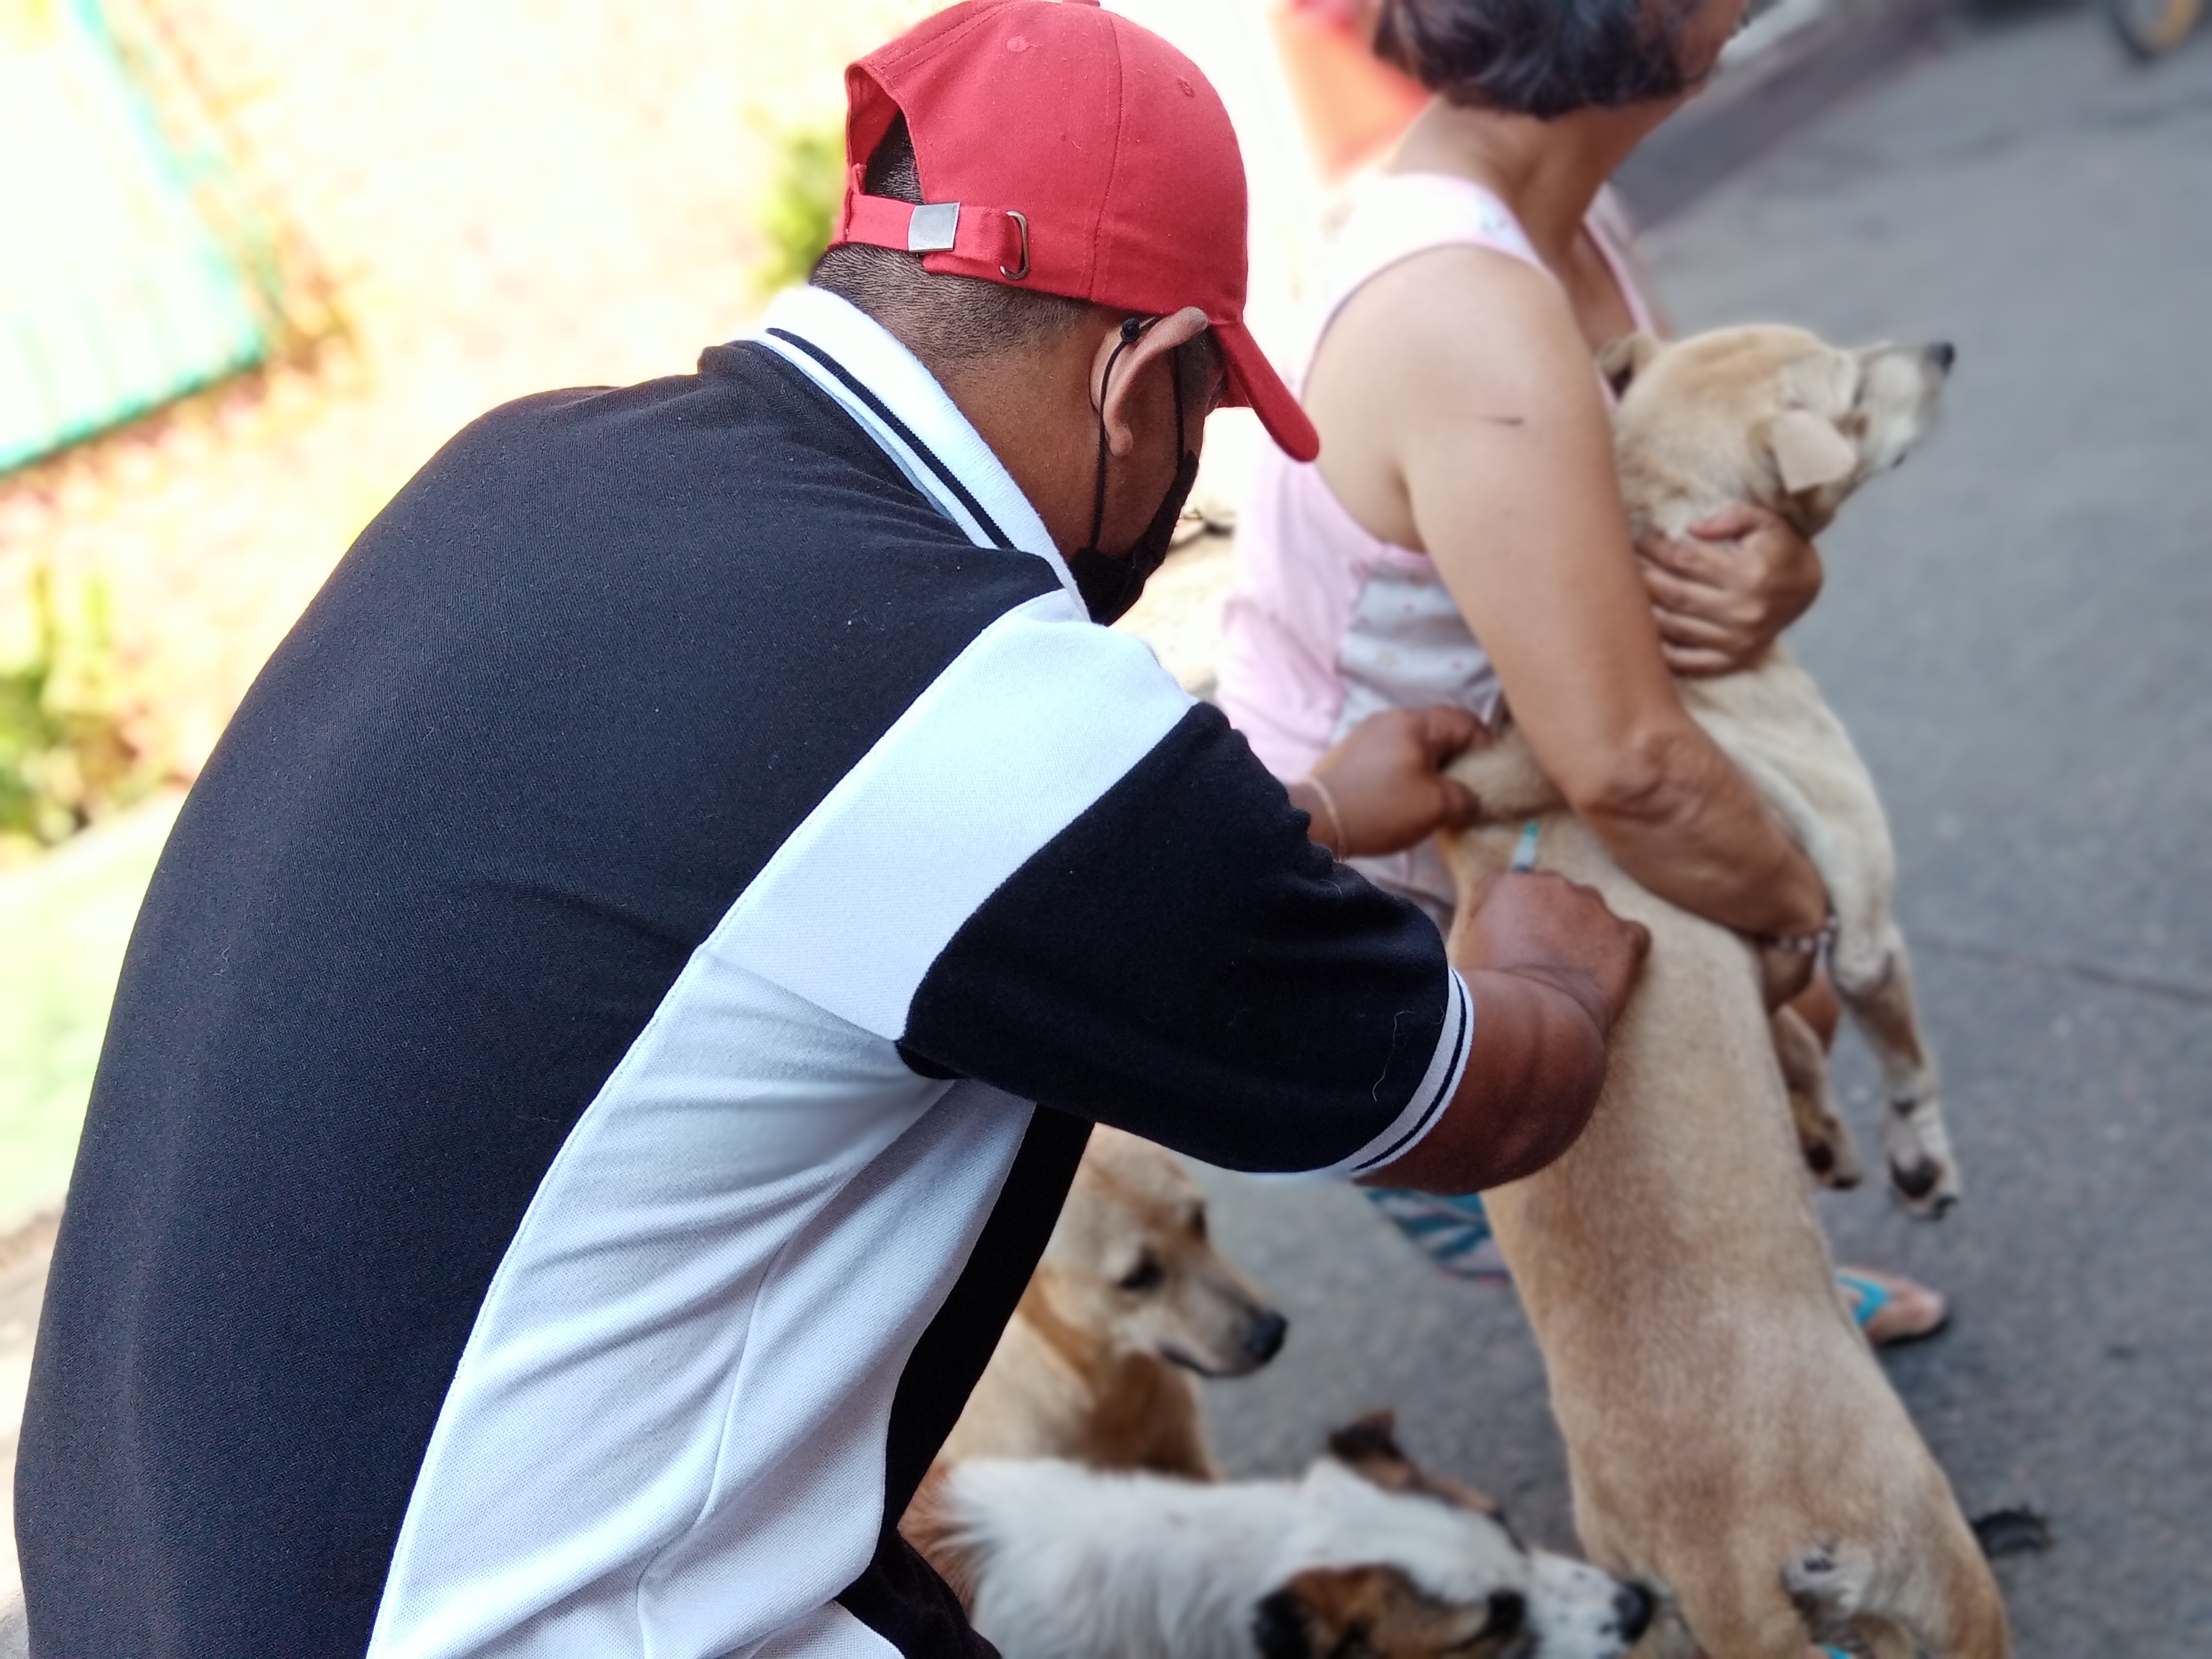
x,y
2018,630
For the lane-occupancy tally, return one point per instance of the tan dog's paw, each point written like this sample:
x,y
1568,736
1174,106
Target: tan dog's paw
x,y
1828,1586
1832,1157
1922,1172
1822,1136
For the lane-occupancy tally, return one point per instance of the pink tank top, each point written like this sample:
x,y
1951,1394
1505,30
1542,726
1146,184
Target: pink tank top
x,y
1324,623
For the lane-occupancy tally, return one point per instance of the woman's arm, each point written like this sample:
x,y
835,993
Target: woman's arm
x,y
1481,436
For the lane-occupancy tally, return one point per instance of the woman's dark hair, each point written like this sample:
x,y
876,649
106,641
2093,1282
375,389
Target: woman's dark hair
x,y
1541,58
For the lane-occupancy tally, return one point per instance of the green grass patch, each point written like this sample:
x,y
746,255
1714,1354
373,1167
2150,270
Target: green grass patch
x,y
64,921
801,212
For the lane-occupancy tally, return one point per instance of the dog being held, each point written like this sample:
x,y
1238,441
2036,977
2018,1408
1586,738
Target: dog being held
x,y
1364,1556
1730,1437
1130,1305
1774,417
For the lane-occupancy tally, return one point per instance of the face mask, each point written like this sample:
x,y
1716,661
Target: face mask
x,y
1110,583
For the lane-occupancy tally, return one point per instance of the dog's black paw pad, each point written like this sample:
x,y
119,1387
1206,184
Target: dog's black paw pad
x,y
1916,1181
2011,1532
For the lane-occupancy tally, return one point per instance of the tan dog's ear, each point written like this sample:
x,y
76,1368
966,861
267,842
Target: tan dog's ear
x,y
1808,452
1622,360
1369,1447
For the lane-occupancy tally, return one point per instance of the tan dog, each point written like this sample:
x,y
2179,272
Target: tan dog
x,y
1729,1435
1775,417
1130,1303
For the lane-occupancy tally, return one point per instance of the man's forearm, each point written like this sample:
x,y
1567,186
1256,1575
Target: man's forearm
x,y
1533,1073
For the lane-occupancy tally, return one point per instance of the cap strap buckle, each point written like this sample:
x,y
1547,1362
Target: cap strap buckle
x,y
933,228
1023,221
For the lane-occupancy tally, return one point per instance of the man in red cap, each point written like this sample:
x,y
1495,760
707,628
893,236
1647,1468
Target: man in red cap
x,y
565,1144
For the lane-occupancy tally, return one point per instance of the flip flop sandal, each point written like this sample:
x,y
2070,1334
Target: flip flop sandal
x,y
1868,1298
1452,1232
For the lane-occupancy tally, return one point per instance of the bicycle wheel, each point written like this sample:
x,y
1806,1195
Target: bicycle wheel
x,y
2151,28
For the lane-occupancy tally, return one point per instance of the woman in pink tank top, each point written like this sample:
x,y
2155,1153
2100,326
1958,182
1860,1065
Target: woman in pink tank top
x,y
1462,540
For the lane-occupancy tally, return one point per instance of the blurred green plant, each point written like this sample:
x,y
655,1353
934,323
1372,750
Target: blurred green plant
x,y
801,209
65,756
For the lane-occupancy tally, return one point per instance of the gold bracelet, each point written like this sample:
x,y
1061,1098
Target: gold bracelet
x,y
1336,844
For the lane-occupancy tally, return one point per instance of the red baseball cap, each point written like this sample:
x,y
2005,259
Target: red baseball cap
x,y
1063,148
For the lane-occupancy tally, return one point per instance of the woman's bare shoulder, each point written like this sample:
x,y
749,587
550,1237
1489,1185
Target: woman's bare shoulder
x,y
1457,324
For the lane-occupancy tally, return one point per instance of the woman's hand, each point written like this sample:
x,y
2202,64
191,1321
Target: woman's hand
x,y
1724,594
1382,789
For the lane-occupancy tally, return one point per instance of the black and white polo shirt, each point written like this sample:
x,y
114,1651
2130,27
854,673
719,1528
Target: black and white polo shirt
x,y
563,1149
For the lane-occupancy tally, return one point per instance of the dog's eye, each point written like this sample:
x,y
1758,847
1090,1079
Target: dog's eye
x,y
1145,1276
1198,1225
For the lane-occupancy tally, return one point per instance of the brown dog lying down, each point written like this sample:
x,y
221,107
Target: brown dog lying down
x,y
1129,1306
1729,1435
1364,1556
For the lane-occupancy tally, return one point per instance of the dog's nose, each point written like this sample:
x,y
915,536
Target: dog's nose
x,y
1265,1340
1943,353
1508,1611
1632,1607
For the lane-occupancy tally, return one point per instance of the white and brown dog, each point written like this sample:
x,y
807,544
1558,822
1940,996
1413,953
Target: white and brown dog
x,y
1364,1556
1130,1305
1730,1437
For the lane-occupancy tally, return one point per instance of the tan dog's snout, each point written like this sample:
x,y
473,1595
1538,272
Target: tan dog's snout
x,y
1768,415
1190,1306
1132,1260
1894,405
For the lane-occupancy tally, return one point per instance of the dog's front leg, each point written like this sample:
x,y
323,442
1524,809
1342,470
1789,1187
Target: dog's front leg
x,y
1505,780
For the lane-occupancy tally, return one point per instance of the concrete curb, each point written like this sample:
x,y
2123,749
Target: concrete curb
x,y
1759,104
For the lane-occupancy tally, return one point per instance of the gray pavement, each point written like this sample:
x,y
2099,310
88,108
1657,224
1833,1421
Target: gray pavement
x,y
2018,630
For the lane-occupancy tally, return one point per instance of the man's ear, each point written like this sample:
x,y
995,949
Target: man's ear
x,y
1177,328
1622,360
1808,452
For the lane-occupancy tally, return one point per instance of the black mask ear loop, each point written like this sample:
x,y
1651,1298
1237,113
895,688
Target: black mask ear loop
x,y
1132,330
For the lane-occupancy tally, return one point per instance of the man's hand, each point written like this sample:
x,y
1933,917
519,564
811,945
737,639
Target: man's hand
x,y
1724,594
1547,928
1381,790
